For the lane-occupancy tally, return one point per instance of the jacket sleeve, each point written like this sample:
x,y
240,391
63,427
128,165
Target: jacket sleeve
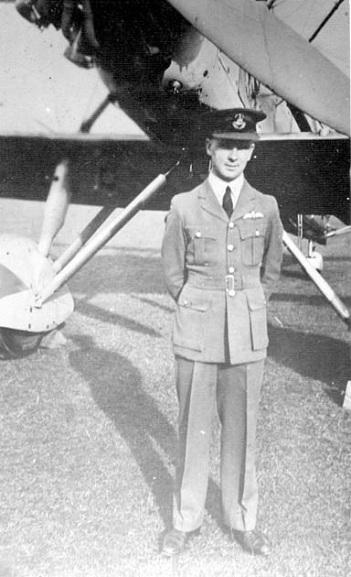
x,y
173,253
273,253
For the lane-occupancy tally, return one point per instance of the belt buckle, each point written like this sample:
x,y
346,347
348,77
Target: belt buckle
x,y
229,284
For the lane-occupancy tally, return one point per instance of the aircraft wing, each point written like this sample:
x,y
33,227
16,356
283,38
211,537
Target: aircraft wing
x,y
45,98
311,77
275,54
275,50
324,24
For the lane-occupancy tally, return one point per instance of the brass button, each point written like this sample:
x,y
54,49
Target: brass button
x,y
198,234
231,293
231,225
230,247
231,269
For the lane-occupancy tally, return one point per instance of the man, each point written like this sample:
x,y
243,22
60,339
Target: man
x,y
221,252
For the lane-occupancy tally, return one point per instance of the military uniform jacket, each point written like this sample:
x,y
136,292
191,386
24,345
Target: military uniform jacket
x,y
221,272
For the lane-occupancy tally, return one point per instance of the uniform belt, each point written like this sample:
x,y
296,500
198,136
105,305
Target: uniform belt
x,y
230,282
233,283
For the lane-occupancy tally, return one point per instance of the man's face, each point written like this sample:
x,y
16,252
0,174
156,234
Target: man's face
x,y
229,157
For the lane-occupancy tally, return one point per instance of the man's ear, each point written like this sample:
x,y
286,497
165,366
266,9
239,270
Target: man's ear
x,y
251,149
209,143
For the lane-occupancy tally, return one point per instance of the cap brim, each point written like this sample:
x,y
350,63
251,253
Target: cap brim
x,y
236,135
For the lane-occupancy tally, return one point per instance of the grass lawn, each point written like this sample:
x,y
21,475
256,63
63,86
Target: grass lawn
x,y
88,433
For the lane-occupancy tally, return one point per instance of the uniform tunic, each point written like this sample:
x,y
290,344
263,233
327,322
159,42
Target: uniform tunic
x,y
220,272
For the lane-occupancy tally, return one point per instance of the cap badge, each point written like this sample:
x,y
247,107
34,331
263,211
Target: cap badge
x,y
239,121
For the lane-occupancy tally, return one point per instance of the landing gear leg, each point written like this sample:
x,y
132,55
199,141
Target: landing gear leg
x,y
318,280
314,258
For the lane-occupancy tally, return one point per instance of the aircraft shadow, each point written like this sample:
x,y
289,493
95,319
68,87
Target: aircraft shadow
x,y
116,388
319,357
99,313
317,300
122,272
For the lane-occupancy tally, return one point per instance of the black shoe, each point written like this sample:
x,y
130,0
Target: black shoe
x,y
174,542
253,542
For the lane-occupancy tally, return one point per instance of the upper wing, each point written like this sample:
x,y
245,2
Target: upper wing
x,y
275,54
43,92
325,24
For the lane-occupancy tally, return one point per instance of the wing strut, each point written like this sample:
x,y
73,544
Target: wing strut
x,y
82,238
102,237
326,19
318,280
60,192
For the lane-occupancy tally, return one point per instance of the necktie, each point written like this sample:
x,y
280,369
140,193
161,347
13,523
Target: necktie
x,y
228,202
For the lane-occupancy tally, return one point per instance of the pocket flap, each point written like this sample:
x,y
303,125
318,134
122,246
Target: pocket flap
x,y
197,305
252,228
201,231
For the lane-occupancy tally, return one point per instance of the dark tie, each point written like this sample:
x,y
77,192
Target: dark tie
x,y
227,201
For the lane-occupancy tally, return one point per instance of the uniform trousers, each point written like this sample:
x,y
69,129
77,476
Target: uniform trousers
x,y
236,389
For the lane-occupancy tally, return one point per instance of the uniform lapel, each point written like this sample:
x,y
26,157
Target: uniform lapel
x,y
246,201
209,202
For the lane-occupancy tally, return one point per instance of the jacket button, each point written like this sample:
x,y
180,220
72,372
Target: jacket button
x,y
198,234
231,225
231,293
230,247
231,269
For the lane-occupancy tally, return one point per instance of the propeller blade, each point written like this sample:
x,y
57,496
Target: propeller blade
x,y
277,56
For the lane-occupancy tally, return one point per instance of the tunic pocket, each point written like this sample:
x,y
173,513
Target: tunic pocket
x,y
252,236
190,320
258,318
201,243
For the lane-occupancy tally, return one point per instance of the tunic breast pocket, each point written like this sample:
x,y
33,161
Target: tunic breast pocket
x,y
252,236
201,244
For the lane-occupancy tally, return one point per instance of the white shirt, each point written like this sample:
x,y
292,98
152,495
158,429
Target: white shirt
x,y
219,187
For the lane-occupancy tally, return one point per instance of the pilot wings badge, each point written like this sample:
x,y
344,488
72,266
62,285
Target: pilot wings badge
x,y
253,214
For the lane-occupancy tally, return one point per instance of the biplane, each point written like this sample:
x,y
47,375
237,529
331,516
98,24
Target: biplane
x,y
163,63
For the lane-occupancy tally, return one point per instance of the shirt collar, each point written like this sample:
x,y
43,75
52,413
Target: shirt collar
x,y
219,186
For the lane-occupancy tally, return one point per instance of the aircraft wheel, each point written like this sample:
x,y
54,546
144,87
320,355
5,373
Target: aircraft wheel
x,y
15,343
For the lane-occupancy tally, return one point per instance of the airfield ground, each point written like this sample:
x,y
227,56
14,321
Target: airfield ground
x,y
88,430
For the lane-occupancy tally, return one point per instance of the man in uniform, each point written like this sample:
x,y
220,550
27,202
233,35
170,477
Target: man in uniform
x,y
221,253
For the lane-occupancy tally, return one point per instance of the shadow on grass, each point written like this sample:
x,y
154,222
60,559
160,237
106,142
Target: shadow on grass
x,y
159,306
295,273
319,357
116,387
95,312
316,300
121,272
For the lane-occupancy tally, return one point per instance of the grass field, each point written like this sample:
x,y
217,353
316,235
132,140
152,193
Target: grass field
x,y
88,430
